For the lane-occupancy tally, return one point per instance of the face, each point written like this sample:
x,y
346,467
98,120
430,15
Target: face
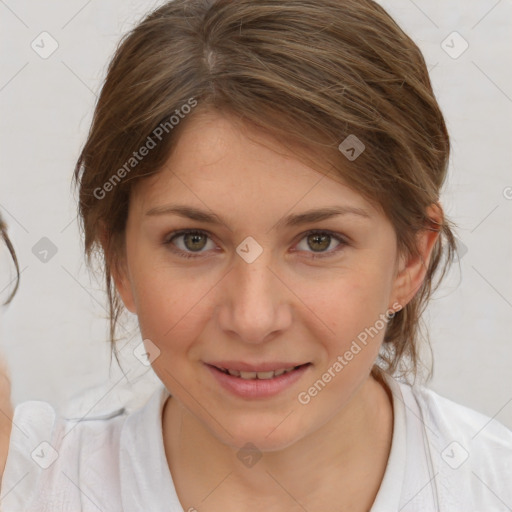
x,y
225,271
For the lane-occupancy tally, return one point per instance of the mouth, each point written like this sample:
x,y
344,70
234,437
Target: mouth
x,y
260,375
257,381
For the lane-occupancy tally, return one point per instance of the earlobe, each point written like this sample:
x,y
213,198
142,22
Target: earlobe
x,y
412,270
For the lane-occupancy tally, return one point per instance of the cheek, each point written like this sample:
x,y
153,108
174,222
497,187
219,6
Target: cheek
x,y
356,299
171,314
355,311
171,303
174,303
167,304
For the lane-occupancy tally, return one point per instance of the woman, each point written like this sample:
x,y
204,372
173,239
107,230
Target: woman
x,y
262,179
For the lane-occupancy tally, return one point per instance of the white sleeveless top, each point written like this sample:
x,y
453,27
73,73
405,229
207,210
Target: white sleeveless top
x,y
444,458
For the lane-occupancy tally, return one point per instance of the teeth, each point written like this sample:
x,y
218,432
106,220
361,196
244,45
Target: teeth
x,y
248,375
265,375
258,375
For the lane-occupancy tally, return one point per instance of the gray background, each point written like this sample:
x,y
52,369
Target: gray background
x,y
54,334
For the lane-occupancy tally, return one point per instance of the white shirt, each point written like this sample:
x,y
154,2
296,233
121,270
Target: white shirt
x,y
444,458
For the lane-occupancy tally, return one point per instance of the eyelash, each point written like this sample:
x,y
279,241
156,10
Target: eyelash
x,y
187,255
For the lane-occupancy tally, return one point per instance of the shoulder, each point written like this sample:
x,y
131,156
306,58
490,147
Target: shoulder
x,y
49,456
470,453
83,457
455,420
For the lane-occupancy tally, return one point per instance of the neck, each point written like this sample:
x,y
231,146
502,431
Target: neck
x,y
342,462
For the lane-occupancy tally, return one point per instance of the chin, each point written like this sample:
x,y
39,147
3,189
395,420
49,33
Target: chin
x,y
265,434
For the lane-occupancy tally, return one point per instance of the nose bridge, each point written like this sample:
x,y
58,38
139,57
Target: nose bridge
x,y
255,300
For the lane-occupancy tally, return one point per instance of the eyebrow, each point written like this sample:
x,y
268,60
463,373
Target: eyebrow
x,y
306,217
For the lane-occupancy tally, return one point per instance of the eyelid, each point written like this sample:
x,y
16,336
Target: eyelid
x,y
338,236
174,234
341,238
186,254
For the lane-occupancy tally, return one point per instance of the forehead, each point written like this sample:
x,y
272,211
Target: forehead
x,y
221,162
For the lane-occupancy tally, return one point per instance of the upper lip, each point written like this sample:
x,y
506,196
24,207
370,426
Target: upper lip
x,y
260,367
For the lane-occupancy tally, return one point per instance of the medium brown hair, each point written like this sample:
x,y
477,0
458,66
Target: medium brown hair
x,y
308,72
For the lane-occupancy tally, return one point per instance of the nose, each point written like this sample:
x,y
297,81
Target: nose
x,y
255,302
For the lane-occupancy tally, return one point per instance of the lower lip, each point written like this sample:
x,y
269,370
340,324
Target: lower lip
x,y
257,388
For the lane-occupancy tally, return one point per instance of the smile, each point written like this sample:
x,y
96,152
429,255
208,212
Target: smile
x,y
256,381
259,375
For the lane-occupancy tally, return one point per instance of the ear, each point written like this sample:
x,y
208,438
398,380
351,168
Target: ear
x,y
118,270
412,271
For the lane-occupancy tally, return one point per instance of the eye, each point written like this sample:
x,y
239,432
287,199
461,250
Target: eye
x,y
320,241
188,242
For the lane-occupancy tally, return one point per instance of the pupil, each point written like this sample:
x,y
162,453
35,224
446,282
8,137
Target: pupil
x,y
194,238
318,239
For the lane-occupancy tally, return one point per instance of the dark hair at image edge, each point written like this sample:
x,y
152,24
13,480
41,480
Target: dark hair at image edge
x,y
5,238
308,73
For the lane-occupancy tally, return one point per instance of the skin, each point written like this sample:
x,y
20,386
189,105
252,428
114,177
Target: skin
x,y
283,306
6,413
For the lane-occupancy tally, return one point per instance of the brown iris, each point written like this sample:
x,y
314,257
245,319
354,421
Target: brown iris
x,y
194,241
321,241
